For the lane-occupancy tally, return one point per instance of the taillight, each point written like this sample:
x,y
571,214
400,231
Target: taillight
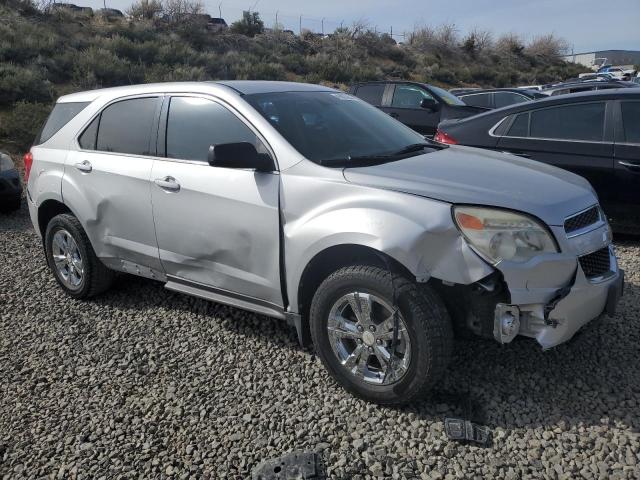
x,y
445,138
28,161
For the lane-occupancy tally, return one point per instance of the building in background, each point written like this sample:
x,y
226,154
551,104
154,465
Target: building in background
x,y
606,57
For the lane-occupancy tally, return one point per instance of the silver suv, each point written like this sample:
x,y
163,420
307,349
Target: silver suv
x,y
303,203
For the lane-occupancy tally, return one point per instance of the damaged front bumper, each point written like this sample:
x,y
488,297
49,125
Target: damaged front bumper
x,y
555,295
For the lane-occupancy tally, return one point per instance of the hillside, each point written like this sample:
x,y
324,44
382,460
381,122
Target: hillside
x,y
43,56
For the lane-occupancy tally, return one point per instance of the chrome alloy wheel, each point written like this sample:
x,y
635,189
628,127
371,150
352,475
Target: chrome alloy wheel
x,y
67,259
360,328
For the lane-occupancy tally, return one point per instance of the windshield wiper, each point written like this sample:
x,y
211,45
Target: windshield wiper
x,y
362,160
414,147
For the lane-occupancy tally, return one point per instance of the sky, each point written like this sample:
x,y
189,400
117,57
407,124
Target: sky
x,y
587,25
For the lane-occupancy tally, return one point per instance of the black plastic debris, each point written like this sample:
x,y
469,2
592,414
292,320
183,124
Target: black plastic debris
x,y
292,466
466,431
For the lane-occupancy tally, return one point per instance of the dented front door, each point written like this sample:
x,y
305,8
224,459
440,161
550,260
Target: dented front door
x,y
218,227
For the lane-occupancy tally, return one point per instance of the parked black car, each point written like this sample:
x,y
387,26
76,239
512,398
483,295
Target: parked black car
x,y
586,86
593,134
417,105
497,97
10,186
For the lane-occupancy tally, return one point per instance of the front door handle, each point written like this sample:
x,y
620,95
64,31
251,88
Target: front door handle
x,y
393,115
520,154
84,166
631,166
168,183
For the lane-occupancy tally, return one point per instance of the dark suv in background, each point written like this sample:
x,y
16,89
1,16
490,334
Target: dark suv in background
x,y
594,134
417,105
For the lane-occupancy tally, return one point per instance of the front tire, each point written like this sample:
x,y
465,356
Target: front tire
x,y
353,328
70,256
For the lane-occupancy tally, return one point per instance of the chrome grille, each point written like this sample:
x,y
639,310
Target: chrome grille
x,y
596,264
582,220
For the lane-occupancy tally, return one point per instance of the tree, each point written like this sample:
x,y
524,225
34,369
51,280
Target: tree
x,y
250,24
145,9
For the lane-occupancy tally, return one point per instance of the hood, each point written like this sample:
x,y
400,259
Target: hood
x,y
482,177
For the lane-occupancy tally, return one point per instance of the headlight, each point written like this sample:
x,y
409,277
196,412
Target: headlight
x,y
5,162
503,235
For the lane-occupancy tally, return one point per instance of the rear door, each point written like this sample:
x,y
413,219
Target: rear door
x,y
571,136
404,105
627,156
372,93
107,182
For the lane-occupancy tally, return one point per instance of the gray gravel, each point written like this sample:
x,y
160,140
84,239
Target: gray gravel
x,y
142,382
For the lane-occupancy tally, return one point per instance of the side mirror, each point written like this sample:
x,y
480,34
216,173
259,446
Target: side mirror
x,y
429,103
239,155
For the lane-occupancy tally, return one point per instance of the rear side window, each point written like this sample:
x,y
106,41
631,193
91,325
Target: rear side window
x,y
371,93
125,127
478,100
61,114
571,122
631,121
194,124
502,99
520,126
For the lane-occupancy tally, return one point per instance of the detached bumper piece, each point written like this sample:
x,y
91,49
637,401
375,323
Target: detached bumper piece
x,y
292,466
466,431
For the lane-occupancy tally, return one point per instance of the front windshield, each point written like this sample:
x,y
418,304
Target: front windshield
x,y
446,97
334,128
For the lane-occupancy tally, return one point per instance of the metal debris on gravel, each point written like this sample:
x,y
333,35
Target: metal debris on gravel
x,y
145,383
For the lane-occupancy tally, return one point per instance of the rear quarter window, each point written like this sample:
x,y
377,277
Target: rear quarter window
x,y
61,114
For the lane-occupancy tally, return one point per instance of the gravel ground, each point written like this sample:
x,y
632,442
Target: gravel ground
x,y
142,382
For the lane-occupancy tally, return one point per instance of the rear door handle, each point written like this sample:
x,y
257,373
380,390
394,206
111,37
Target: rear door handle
x,y
631,166
168,183
84,166
393,115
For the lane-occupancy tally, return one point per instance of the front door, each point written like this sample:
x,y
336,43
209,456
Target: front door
x,y
217,227
627,162
107,180
405,107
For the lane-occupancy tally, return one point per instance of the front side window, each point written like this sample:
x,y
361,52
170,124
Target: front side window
x,y
194,124
125,127
332,128
571,122
371,93
631,121
502,99
409,96
478,100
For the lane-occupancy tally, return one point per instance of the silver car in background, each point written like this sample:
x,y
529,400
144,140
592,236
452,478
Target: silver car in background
x,y
303,203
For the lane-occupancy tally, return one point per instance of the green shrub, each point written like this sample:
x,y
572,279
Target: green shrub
x,y
20,125
23,83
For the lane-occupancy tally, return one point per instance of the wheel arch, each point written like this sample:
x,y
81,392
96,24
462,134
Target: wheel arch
x,y
327,261
47,210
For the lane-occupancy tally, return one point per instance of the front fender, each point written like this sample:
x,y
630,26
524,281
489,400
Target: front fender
x,y
417,232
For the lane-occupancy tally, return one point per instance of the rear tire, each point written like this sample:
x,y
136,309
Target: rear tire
x,y
426,334
72,260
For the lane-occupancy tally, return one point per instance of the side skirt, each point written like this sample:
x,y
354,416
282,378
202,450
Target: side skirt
x,y
225,297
